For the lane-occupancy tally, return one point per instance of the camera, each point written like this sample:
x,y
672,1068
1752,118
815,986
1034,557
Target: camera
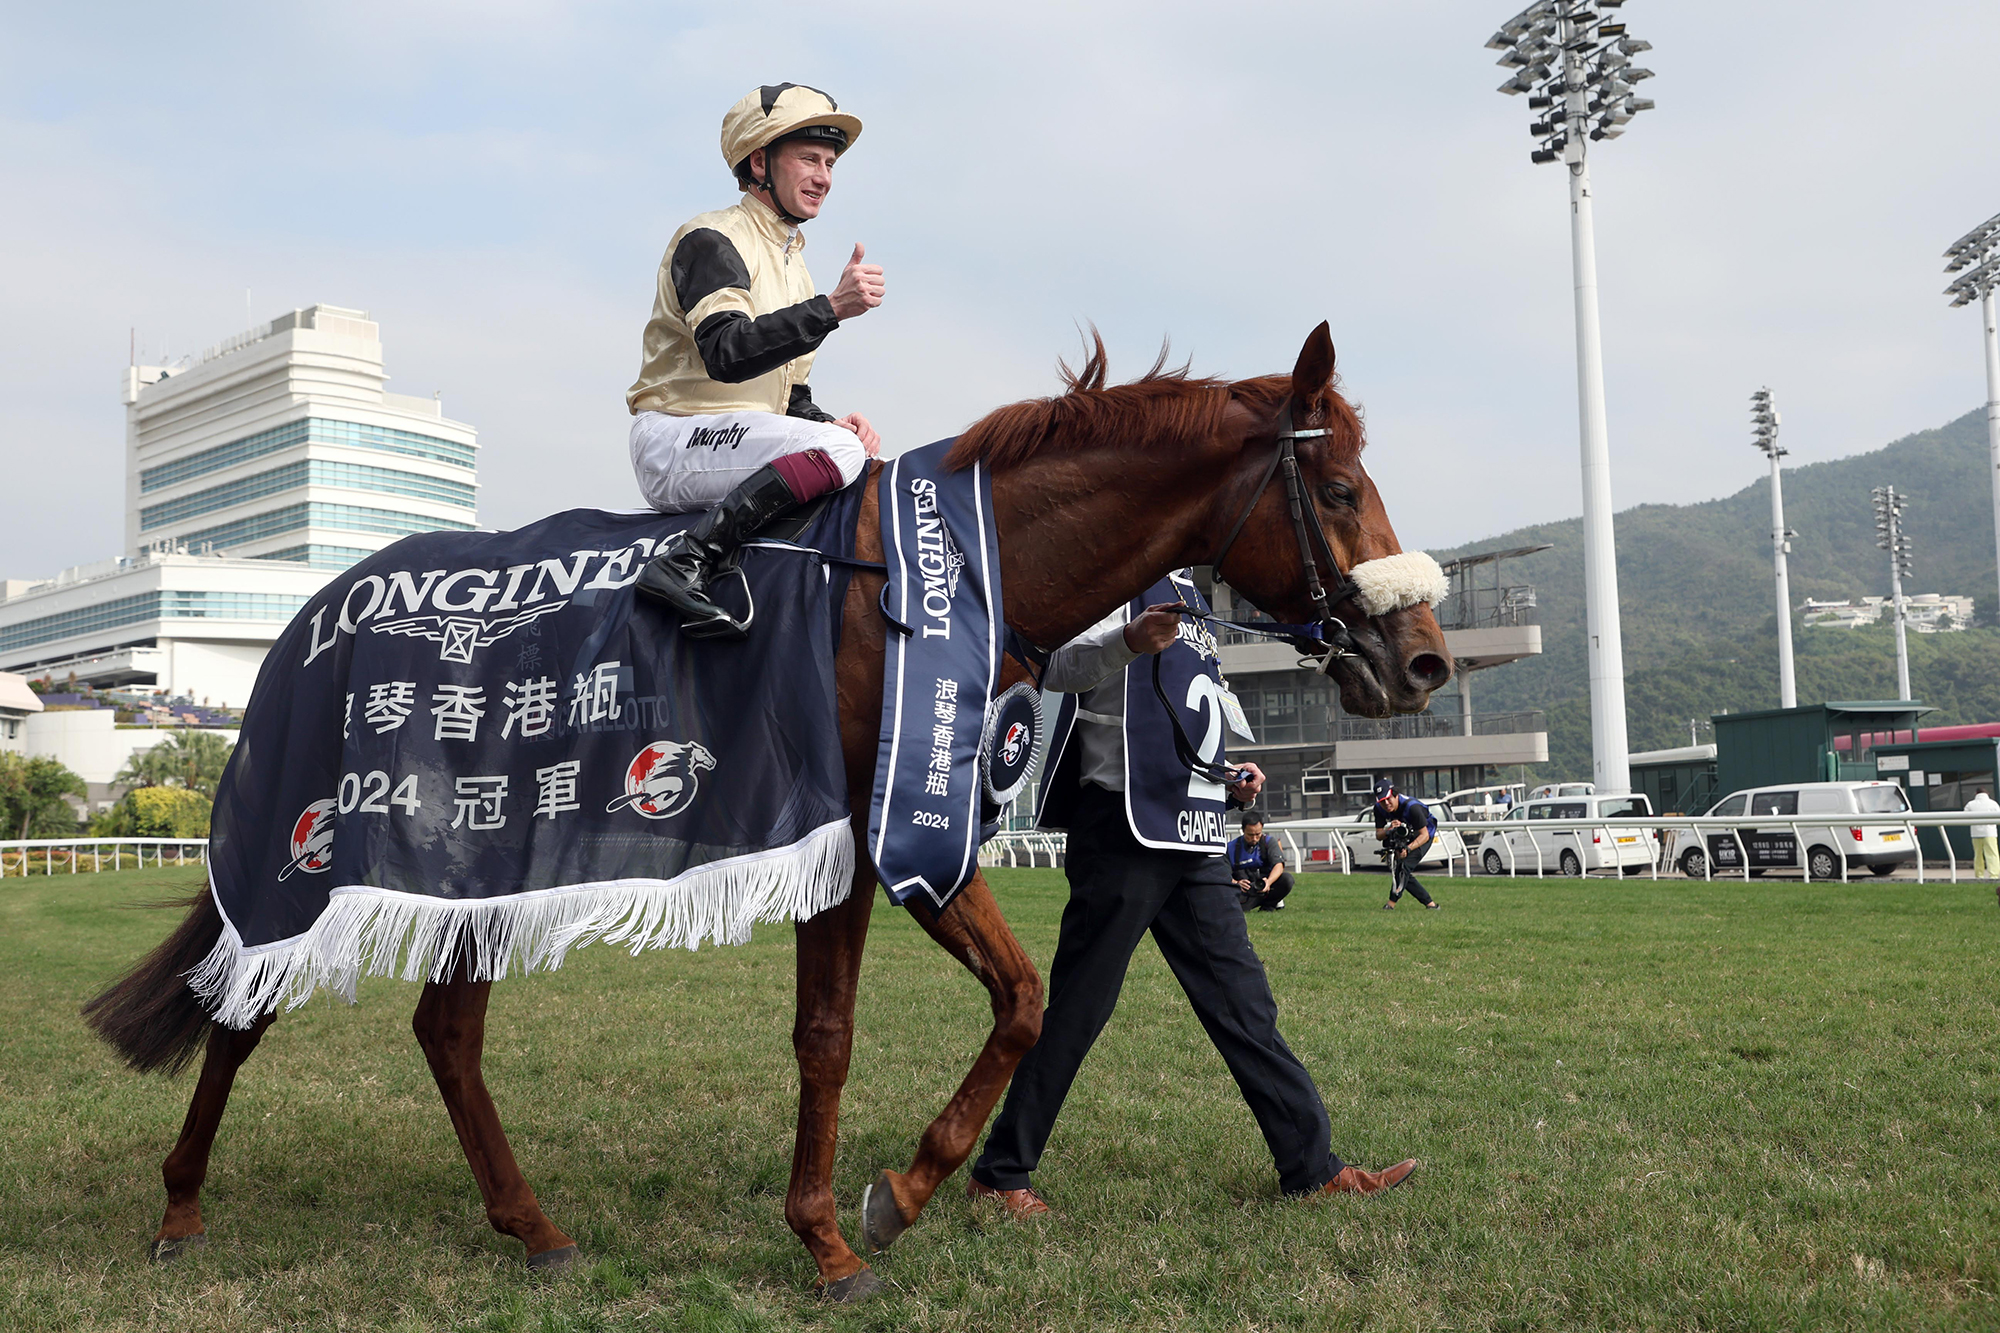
x,y
1396,837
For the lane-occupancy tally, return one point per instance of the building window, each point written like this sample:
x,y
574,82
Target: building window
x,y
10,728
314,514
316,556
312,472
313,430
120,611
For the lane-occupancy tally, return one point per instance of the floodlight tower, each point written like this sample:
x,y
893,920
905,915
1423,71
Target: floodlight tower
x,y
1889,535
1577,68
1977,253
1764,430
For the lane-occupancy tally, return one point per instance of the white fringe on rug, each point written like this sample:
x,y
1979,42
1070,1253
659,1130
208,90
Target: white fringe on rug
x,y
366,931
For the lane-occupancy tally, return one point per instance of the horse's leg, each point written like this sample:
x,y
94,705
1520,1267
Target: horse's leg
x,y
450,1024
186,1166
972,931
829,969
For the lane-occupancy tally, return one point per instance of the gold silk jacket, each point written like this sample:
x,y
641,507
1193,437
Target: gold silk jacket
x,y
735,319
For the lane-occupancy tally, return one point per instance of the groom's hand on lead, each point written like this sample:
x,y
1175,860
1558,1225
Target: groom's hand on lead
x,y
1155,628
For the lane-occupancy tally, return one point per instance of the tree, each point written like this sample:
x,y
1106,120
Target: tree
x,y
31,797
186,758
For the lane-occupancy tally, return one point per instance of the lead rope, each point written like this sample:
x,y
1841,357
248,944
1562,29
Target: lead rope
x,y
1184,749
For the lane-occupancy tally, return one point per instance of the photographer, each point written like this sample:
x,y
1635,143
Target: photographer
x,y
1406,828
1258,867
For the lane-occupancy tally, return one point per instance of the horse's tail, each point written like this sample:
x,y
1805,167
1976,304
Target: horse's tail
x,y
152,1016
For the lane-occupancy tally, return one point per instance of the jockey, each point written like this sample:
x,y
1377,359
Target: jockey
x,y
722,414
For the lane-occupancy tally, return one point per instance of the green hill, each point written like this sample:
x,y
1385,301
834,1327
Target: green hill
x,y
1694,585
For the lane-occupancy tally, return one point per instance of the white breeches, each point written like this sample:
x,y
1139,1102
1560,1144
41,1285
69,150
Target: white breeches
x,y
684,464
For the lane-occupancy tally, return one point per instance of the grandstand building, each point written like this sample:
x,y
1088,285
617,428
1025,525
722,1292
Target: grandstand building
x,y
252,476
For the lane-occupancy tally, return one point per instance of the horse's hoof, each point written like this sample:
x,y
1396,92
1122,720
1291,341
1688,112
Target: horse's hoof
x,y
881,1220
166,1249
553,1261
856,1286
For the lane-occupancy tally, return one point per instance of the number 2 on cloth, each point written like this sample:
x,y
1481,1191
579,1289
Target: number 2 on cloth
x,y
1205,696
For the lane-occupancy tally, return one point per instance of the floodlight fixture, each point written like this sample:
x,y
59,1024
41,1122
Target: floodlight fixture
x,y
1890,537
1574,62
1975,257
1764,422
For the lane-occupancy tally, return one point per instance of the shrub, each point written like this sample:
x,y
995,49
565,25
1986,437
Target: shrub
x,y
156,812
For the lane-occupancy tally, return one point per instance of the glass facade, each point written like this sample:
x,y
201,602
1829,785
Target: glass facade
x,y
314,514
317,556
312,472
179,605
313,430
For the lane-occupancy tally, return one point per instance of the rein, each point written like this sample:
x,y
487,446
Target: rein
x,y
1326,636
1321,640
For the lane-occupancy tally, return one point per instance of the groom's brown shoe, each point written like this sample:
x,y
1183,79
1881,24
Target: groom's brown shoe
x,y
1353,1180
1018,1203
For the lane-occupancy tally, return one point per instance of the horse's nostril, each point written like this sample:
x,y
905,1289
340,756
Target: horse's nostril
x,y
1428,671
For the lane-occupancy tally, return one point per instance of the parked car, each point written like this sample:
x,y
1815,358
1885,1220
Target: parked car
x,y
1768,846
1523,842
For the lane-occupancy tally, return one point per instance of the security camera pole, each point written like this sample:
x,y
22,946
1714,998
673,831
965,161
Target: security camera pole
x,y
1975,256
1889,535
1577,68
1764,427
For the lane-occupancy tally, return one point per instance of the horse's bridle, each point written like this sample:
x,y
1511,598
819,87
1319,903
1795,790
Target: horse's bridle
x,y
1327,637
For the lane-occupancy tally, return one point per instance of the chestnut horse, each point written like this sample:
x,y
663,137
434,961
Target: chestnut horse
x,y
1097,494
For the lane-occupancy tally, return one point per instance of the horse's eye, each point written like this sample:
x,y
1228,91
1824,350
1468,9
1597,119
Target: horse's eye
x,y
1337,494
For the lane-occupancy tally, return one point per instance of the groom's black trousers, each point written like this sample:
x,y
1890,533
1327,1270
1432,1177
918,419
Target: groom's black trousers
x,y
1118,891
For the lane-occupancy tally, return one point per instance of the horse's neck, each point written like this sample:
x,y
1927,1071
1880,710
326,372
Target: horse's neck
x,y
1078,538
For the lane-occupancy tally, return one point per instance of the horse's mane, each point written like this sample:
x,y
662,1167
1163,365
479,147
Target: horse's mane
x,y
1163,408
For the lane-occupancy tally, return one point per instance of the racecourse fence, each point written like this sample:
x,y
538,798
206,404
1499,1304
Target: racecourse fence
x,y
56,856
1320,844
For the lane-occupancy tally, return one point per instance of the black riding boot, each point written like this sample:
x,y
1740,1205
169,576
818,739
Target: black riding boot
x,y
679,576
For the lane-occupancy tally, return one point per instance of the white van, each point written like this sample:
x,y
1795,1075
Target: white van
x,y
1769,846
1522,843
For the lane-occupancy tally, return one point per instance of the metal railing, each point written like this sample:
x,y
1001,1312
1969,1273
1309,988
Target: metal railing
x,y
20,856
1304,837
1418,726
1667,834
1488,607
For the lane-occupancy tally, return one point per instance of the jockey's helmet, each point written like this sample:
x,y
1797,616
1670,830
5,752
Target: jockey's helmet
x,y
777,112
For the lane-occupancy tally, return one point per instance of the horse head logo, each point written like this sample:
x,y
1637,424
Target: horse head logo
x,y
1016,742
312,840
664,778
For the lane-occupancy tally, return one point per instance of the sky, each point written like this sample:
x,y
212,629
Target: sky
x,y
494,182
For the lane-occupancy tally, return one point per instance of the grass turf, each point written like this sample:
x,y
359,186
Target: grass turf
x,y
1638,1106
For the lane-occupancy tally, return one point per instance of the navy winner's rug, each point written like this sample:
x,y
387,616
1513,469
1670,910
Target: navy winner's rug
x,y
482,746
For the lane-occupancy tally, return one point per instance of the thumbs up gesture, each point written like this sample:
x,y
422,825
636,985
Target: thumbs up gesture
x,y
860,288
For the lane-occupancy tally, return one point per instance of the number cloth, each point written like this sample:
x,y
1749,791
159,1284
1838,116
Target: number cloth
x,y
939,671
1166,806
481,746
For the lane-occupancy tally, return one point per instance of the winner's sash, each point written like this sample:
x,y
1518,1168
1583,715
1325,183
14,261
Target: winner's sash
x,y
939,671
1167,806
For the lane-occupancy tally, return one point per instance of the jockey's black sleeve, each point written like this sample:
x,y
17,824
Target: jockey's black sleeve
x,y
802,405
735,347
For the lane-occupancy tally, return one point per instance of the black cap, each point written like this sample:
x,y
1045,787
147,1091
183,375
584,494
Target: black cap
x,y
832,134
1384,787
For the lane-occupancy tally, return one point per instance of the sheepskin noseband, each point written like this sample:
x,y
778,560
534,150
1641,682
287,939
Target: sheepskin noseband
x,y
1397,581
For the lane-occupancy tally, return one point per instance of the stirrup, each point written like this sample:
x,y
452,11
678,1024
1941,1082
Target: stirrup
x,y
722,625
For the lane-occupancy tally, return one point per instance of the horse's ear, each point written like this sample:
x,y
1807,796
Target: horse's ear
x,y
1314,370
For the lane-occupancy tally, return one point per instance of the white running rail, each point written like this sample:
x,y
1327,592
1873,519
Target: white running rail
x,y
42,855
1676,835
